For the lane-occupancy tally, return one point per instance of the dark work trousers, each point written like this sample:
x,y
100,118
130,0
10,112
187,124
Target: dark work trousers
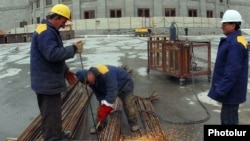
x,y
128,100
50,109
229,114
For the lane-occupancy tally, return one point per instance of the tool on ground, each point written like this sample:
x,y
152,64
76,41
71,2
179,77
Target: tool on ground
x,y
103,112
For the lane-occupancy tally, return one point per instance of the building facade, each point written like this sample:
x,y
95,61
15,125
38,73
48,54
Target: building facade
x,y
16,13
13,13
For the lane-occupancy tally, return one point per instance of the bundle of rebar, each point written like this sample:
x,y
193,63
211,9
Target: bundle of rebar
x,y
73,110
152,129
113,129
74,102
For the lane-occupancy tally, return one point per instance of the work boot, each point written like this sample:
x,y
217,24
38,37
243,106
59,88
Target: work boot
x,y
134,128
66,134
99,129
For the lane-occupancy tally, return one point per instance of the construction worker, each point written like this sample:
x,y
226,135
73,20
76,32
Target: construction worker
x,y
230,76
108,82
48,70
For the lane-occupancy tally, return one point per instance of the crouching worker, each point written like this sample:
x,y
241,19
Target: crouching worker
x,y
108,82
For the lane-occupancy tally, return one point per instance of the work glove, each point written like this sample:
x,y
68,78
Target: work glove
x,y
79,46
104,110
70,77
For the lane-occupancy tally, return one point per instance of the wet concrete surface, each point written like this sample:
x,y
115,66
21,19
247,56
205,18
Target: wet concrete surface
x,y
180,107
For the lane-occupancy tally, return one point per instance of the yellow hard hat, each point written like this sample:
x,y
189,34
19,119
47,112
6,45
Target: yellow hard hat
x,y
62,10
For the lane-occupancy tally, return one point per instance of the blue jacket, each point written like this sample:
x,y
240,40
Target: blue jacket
x,y
230,76
110,82
47,60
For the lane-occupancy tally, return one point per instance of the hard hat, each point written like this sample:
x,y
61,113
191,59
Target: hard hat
x,y
231,16
62,10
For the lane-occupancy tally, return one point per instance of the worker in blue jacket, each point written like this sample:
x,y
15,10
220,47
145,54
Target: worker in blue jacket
x,y
107,83
230,76
48,69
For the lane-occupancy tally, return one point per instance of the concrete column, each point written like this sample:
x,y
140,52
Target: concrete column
x,y
157,8
76,10
203,9
183,12
217,9
101,9
129,8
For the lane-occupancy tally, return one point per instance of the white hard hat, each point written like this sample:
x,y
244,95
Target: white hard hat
x,y
231,16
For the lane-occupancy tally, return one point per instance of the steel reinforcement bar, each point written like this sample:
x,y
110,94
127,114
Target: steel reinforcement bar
x,y
73,109
152,129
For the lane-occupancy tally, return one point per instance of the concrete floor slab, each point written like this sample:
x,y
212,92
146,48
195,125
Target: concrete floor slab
x,y
180,108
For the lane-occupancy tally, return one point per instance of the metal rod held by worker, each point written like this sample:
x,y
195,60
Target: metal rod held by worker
x,y
97,125
89,97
